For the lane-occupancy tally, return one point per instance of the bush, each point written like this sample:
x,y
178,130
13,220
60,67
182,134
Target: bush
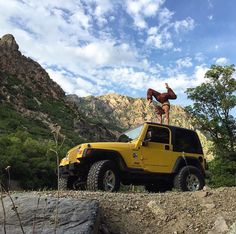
x,y
223,173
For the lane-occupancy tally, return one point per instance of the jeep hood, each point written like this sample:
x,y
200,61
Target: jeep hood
x,y
109,145
77,151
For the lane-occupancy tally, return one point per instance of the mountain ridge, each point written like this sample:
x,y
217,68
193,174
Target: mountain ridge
x,y
27,87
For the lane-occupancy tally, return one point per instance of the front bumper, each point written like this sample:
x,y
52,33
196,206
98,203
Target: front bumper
x,y
73,169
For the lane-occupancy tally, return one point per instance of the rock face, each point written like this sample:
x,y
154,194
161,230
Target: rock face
x,y
27,87
122,112
37,215
27,71
8,42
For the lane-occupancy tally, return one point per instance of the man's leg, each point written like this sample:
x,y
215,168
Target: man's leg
x,y
170,93
159,118
166,109
152,93
159,112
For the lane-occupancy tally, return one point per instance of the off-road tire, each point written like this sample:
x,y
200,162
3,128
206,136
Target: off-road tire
x,y
67,183
62,183
180,180
159,187
97,173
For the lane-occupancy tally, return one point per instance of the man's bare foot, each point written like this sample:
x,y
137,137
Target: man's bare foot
x,y
167,86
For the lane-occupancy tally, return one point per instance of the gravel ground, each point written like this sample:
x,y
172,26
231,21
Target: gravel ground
x,y
210,211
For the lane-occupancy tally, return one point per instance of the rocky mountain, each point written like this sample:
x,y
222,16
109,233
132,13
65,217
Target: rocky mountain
x,y
122,112
25,87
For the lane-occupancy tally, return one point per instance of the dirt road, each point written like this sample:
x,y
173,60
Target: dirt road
x,y
211,211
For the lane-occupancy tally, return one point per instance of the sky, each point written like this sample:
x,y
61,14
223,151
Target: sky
x,y
95,47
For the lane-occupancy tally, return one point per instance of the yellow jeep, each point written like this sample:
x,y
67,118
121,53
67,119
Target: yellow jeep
x,y
159,157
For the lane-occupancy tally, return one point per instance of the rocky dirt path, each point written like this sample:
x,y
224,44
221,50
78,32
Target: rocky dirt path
x,y
212,211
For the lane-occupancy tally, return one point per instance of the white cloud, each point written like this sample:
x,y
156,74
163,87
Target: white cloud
x,y
165,16
210,17
198,76
210,4
177,49
184,62
61,78
129,79
103,7
76,84
141,9
180,81
159,39
184,25
152,31
86,56
221,61
199,57
162,35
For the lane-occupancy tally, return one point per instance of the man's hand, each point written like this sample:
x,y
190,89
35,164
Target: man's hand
x,y
167,86
149,101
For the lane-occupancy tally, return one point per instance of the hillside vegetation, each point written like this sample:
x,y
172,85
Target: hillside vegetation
x,y
31,107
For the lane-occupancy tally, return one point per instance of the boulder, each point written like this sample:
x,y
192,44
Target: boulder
x,y
38,215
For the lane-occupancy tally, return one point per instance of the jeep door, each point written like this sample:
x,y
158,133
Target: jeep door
x,y
157,150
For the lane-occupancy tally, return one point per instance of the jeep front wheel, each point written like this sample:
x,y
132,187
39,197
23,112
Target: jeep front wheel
x,y
189,178
103,175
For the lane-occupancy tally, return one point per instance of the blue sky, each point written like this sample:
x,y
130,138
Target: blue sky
x,y
94,47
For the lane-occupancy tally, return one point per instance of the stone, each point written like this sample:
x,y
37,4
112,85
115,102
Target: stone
x,y
152,205
209,205
37,215
201,194
232,229
220,226
206,188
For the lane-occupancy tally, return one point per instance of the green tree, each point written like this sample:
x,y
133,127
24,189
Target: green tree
x,y
213,102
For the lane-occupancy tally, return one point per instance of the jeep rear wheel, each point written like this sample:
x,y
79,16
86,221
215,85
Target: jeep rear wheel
x,y
103,175
189,178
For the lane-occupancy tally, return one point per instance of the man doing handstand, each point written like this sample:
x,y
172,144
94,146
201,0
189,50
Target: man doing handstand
x,y
163,98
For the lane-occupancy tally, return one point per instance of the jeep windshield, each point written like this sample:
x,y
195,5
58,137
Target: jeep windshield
x,y
131,134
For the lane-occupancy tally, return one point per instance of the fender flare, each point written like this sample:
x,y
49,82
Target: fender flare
x,y
187,161
92,155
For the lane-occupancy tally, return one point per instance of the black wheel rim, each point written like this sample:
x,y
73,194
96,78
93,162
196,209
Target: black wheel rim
x,y
109,180
192,182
